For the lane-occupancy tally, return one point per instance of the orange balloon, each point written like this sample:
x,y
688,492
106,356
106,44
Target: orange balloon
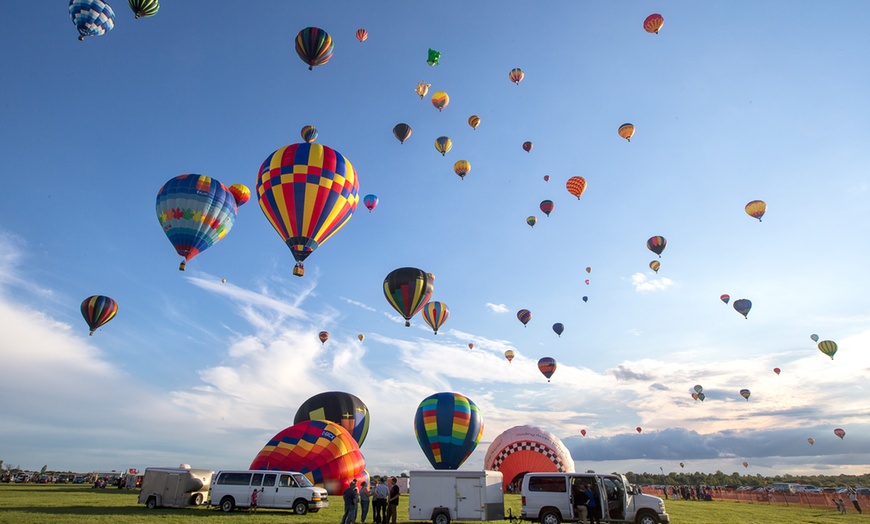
x,y
653,23
576,185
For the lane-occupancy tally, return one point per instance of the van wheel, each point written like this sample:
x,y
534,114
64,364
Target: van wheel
x,y
441,517
228,504
647,517
151,503
196,500
550,517
300,507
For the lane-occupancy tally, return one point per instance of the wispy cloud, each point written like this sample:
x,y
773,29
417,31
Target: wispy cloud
x,y
358,304
643,284
497,308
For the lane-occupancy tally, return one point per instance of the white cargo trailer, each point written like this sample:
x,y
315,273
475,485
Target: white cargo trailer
x,y
445,495
174,487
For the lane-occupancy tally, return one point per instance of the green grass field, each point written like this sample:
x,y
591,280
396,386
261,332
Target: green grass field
x,y
46,503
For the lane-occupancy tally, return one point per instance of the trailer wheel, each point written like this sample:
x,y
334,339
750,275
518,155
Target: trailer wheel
x,y
228,504
300,507
550,516
441,517
647,517
151,503
197,499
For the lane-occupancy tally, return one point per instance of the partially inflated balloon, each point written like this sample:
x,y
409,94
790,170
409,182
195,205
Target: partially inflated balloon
x,y
743,306
745,393
626,131
440,99
408,289
241,193
524,315
323,336
474,121
448,427
840,433
531,220
144,8
558,328
547,207
462,168
402,131
509,355
653,23
443,144
655,265
756,209
362,35
97,310
527,146
725,298
344,409
422,88
516,75
309,133
314,46
323,451
433,57
828,347
370,201
91,17
195,211
522,449
547,366
435,314
576,185
657,244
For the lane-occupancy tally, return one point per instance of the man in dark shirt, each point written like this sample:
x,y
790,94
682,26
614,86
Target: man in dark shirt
x,y
393,500
351,499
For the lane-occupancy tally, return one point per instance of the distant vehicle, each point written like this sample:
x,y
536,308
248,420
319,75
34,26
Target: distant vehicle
x,y
174,487
78,479
278,489
862,491
445,495
807,488
785,487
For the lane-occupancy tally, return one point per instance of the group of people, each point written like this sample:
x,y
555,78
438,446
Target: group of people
x,y
383,499
841,505
586,502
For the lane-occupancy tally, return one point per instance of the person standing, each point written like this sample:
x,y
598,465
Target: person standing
x,y
581,500
853,496
365,495
351,499
594,506
253,508
382,492
393,501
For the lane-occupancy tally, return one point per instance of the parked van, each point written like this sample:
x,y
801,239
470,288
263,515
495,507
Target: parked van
x,y
548,498
445,495
174,487
785,487
278,489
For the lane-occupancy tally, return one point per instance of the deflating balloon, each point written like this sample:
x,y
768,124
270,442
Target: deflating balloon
x,y
745,393
828,347
402,132
743,306
314,46
144,8
91,17
547,207
840,433
97,310
509,355
657,244
626,131
653,23
516,75
547,366
309,133
474,121
522,449
435,314
370,201
524,315
323,451
558,328
344,409
408,289
448,427
323,336
576,185
443,144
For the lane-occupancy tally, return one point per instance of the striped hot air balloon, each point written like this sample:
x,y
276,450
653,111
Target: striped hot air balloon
x,y
97,310
626,131
408,289
653,23
435,314
314,46
144,8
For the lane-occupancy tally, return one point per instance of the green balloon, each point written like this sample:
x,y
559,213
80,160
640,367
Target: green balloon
x,y
433,57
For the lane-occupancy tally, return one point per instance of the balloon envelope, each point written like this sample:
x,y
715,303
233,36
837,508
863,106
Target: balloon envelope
x,y
583,432
698,388
309,133
144,8
474,121
745,393
626,131
814,337
91,17
241,193
756,209
440,99
422,88
743,306
448,427
527,146
558,328
370,201
828,347
527,449
725,298
443,144
657,244
547,207
323,336
746,464
402,131
461,168
314,46
547,366
524,315
435,314
532,220
362,35
408,289
509,355
840,433
344,409
811,440
655,265
97,310
516,75
653,23
776,370
638,429
576,185
433,57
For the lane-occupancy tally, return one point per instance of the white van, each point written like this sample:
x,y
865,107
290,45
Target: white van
x,y
547,498
278,489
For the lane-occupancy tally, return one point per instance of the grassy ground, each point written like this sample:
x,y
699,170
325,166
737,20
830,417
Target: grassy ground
x,y
50,504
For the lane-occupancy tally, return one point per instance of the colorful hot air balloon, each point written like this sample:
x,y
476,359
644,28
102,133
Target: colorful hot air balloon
x,y
314,46
745,393
531,220
509,355
362,35
828,347
516,75
91,17
743,306
195,211
361,337
461,168
694,396
558,328
576,185
241,193
698,388
655,265
756,209
474,121
323,451
638,429
443,144
746,464
408,289
309,133
840,433
814,337
583,432
547,207
97,310
435,314
811,440
448,427
587,281
657,244
370,201
524,315
308,192
522,449
527,146
323,336
402,132
626,131
777,370
433,57
144,8
344,409
653,23
422,88
725,298
547,366
440,99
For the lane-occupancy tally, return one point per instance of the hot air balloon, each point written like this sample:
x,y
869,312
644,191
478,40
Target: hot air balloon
x,y
626,131
547,207
309,133
522,449
314,46
532,220
576,185
144,8
746,464
362,35
655,265
440,99
443,144
547,366
344,409
638,429
694,396
743,306
527,146
470,345
474,121
745,393
310,206
698,388
524,315
97,310
422,88
516,75
223,281
725,298
448,427
585,299
657,244
408,289
361,337
828,347
91,17
702,396
558,328
433,57
814,337
776,370
323,336
811,440
322,450
241,193
756,209
583,432
195,211
546,178
840,433
682,465
370,201
509,355
653,23
589,270
435,314
461,168
587,281
402,132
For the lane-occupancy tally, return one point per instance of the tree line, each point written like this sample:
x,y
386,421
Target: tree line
x,y
721,479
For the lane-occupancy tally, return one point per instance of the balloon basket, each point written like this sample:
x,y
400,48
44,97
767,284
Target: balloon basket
x,y
298,270
182,265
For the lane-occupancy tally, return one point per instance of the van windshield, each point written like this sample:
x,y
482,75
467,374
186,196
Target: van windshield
x,y
302,480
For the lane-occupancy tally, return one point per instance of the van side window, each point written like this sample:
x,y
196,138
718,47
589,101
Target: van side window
x,y
287,482
257,479
235,479
554,484
269,480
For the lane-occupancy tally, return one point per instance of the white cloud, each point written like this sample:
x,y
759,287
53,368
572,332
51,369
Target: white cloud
x,y
497,308
643,284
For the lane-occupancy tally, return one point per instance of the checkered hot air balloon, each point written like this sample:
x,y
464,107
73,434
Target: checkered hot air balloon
x,y
91,17
448,427
522,449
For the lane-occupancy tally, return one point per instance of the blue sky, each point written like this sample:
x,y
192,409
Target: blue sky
x,y
731,103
